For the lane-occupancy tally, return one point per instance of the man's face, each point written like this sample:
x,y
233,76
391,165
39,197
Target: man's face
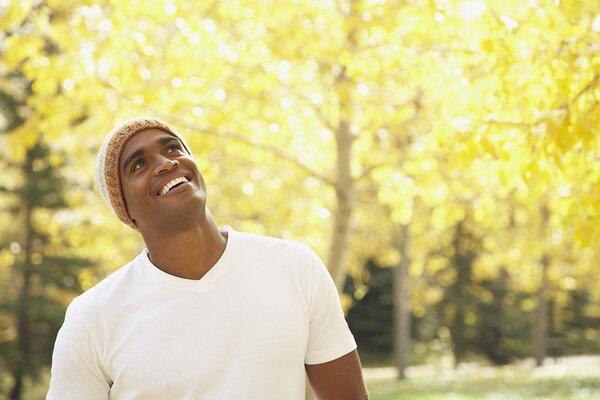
x,y
161,181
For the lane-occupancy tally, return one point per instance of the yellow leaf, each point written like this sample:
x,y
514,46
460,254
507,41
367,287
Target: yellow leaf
x,y
488,45
45,86
571,9
403,213
19,48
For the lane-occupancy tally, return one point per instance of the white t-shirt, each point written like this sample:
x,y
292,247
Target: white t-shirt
x,y
243,331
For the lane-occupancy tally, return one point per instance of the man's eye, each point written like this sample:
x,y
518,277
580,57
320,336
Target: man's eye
x,y
174,147
138,164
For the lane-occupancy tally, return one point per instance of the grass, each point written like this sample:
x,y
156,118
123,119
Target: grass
x,y
572,378
568,378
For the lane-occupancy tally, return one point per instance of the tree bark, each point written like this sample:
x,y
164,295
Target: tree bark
x,y
344,191
22,312
344,183
541,316
402,303
540,325
17,388
462,262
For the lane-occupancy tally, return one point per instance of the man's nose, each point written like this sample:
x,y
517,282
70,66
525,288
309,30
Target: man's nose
x,y
165,164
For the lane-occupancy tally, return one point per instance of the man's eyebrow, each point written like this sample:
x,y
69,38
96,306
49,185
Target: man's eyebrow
x,y
133,155
163,140
167,139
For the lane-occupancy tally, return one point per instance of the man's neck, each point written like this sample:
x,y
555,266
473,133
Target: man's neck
x,y
188,253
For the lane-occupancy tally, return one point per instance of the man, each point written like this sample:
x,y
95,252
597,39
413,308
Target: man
x,y
203,312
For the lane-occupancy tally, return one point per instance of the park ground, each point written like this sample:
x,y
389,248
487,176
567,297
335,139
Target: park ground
x,y
567,378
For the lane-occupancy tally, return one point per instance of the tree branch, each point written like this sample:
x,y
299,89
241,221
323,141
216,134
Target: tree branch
x,y
240,138
591,85
230,135
367,171
563,107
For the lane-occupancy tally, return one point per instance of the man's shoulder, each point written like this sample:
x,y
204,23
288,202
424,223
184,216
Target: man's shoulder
x,y
277,255
253,241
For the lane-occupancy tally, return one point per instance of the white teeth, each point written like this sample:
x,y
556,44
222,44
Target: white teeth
x,y
172,183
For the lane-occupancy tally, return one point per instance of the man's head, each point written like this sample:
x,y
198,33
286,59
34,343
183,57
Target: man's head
x,y
154,154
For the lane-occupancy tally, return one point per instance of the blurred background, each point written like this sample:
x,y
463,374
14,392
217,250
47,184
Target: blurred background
x,y
442,157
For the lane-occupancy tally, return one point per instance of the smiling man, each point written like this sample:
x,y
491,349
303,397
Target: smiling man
x,y
203,312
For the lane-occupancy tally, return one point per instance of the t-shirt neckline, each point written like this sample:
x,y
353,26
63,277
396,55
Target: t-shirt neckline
x,y
156,275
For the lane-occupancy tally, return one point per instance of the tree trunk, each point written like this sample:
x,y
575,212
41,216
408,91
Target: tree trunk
x,y
22,313
22,304
402,303
494,348
344,183
462,262
541,316
16,391
540,325
338,251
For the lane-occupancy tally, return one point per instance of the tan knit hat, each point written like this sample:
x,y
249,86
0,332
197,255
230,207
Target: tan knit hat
x,y
108,177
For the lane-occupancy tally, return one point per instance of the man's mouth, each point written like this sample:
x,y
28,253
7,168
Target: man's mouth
x,y
171,184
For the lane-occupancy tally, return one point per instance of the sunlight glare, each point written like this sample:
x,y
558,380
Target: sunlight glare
x,y
471,10
596,24
170,9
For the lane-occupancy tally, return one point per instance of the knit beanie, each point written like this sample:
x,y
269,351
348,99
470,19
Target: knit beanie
x,y
108,177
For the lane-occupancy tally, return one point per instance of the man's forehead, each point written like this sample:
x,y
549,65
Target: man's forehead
x,y
147,137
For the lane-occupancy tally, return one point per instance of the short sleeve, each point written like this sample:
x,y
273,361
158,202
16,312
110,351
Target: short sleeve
x,y
329,336
76,372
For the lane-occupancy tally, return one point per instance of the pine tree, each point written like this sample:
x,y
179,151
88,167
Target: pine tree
x,y
43,275
370,318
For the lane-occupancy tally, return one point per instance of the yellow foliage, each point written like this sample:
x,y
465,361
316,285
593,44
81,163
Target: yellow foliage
x,y
402,214
22,139
572,9
19,48
455,117
13,14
